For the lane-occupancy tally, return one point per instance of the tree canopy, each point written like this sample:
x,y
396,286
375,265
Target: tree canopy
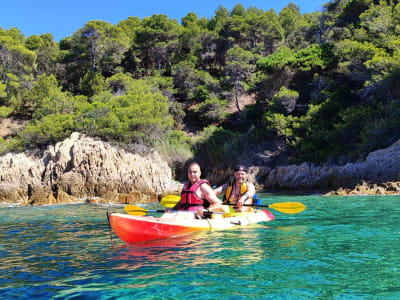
x,y
324,85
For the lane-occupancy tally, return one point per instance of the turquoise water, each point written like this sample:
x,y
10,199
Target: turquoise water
x,y
339,248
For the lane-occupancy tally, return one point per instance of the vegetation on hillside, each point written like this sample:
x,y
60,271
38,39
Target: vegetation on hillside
x,y
327,84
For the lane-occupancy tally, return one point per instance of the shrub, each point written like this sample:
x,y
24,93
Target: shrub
x,y
211,111
50,129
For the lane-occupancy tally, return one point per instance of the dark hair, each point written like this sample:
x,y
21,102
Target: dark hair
x,y
194,163
238,167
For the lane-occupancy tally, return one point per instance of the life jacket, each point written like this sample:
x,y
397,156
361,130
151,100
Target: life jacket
x,y
189,198
228,193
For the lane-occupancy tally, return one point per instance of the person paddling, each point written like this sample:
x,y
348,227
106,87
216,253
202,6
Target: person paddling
x,y
197,194
238,191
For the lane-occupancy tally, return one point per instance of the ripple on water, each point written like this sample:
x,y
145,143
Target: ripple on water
x,y
340,247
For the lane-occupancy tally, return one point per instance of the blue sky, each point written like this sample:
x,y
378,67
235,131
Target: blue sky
x,y
62,18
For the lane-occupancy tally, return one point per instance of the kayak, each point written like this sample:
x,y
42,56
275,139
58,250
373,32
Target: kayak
x,y
133,229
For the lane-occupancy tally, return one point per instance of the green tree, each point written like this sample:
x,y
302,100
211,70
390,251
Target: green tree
x,y
284,101
46,98
92,83
264,31
47,51
239,66
157,40
139,115
97,47
17,66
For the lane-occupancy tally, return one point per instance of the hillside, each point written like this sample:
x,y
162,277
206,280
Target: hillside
x,y
246,85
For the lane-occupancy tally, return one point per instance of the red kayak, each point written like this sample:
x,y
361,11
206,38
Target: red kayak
x,y
132,229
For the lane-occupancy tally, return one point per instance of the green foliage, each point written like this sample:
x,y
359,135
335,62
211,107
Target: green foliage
x,y
50,129
290,18
5,111
326,83
46,98
17,65
284,101
314,58
276,61
139,115
92,83
215,145
11,144
264,33
381,132
176,147
120,83
193,85
222,147
211,110
46,50
157,39
279,124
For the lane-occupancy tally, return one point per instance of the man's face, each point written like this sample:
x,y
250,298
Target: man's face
x,y
240,176
194,173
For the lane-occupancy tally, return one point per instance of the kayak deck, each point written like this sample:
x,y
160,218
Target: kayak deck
x,y
132,229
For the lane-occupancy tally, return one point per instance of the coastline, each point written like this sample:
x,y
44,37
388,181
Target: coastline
x,y
81,167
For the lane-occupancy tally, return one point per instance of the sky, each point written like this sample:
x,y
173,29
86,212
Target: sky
x,y
62,18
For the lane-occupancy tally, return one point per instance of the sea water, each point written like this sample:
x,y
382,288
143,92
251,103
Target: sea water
x,y
338,248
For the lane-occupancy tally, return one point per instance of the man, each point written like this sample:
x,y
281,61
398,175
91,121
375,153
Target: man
x,y
239,191
197,194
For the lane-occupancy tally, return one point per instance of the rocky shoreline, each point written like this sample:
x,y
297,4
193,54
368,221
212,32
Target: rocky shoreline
x,y
81,167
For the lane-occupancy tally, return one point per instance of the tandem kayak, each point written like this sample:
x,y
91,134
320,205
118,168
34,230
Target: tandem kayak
x,y
132,229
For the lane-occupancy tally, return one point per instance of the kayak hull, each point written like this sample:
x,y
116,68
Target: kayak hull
x,y
133,229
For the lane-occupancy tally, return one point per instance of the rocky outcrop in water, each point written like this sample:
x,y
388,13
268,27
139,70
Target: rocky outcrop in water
x,y
81,167
380,172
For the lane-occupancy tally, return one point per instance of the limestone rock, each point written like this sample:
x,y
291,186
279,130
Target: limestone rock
x,y
82,167
380,167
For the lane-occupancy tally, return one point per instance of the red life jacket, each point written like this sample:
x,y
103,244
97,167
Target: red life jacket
x,y
189,197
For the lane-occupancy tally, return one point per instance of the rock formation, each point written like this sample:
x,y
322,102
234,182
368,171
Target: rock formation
x,y
84,169
81,167
380,171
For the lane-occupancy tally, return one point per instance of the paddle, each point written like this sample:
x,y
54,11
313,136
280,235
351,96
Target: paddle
x,y
170,200
283,207
139,211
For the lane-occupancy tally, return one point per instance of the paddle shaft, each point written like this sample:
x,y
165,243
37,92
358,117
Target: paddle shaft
x,y
132,209
189,211
256,205
284,207
157,210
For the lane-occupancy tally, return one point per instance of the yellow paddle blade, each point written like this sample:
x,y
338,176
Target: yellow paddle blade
x,y
170,200
288,207
135,210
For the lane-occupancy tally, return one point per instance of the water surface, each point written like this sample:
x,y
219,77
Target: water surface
x,y
339,248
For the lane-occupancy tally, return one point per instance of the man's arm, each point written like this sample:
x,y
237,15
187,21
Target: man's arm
x,y
208,193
